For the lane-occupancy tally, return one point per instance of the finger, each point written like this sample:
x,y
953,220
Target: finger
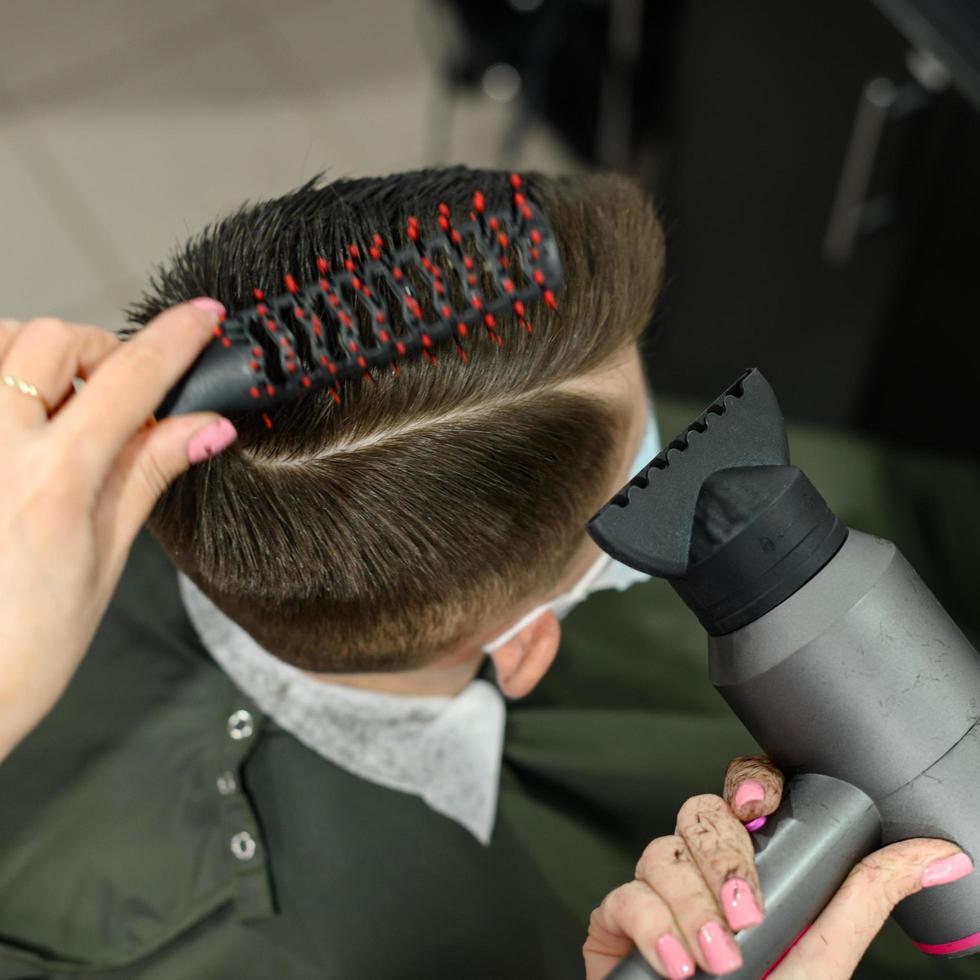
x,y
669,869
47,352
634,915
8,328
152,460
753,787
723,854
129,386
834,944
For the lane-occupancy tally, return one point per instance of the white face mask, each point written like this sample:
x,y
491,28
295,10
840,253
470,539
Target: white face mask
x,y
605,572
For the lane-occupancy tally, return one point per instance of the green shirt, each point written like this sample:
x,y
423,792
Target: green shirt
x,y
139,838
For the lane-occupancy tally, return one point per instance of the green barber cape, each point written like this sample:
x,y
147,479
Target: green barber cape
x,y
156,825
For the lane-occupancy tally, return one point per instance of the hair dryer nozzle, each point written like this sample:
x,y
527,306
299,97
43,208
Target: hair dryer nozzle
x,y
648,524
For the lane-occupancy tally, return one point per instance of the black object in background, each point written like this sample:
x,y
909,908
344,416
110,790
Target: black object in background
x,y
792,122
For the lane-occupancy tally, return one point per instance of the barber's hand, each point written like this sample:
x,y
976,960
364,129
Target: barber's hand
x,y
694,889
77,487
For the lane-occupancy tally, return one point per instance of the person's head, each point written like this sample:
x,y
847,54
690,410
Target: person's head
x,y
426,513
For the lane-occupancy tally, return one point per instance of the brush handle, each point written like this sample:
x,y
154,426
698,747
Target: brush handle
x,y
822,828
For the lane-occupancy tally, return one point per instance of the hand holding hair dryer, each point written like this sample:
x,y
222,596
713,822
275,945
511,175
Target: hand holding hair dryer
x,y
832,652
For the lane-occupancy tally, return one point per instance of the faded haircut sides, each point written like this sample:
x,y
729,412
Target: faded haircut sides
x,y
377,534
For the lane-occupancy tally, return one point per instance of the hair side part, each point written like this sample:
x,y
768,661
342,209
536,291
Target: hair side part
x,y
377,533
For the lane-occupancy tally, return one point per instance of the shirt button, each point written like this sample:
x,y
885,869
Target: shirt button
x,y
243,846
240,724
227,784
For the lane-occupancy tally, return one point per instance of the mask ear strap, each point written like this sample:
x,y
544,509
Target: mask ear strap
x,y
516,628
581,588
576,593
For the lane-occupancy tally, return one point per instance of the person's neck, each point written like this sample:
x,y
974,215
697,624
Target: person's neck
x,y
445,677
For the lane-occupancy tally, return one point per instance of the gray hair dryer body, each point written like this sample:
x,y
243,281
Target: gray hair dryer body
x,y
833,653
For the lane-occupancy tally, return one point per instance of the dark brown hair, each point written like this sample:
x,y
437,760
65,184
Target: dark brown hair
x,y
376,534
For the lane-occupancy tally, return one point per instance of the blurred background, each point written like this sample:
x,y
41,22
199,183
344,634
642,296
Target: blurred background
x,y
814,164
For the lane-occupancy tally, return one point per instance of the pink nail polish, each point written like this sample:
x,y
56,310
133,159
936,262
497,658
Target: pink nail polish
x,y
674,957
208,305
756,824
719,948
211,440
946,869
739,905
749,792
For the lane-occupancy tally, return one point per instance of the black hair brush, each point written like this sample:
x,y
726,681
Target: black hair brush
x,y
367,315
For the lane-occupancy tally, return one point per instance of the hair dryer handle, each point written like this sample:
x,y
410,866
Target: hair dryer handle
x,y
823,827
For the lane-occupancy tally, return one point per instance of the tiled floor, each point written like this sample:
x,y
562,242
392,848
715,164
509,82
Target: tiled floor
x,y
127,125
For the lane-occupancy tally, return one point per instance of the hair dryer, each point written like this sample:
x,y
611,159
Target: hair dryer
x,y
833,653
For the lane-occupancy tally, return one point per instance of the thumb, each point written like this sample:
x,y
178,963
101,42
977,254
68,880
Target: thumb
x,y
753,788
834,944
159,454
